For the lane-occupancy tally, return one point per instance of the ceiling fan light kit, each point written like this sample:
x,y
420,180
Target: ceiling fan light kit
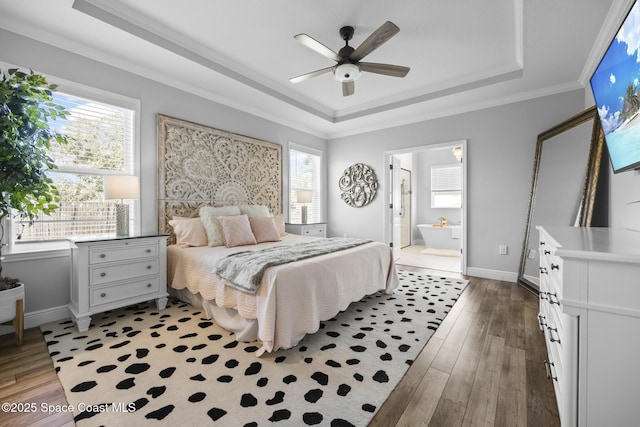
x,y
346,72
349,68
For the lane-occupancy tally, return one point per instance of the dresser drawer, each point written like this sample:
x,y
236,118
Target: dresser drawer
x,y
122,291
104,254
314,231
310,230
120,271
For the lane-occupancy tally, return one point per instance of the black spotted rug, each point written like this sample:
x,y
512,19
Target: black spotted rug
x,y
140,366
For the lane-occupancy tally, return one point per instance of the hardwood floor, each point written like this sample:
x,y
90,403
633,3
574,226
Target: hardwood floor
x,y
482,367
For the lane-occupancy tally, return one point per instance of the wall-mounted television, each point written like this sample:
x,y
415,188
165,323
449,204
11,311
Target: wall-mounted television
x,y
616,86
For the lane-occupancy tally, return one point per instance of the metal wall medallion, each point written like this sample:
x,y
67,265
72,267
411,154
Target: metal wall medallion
x,y
358,185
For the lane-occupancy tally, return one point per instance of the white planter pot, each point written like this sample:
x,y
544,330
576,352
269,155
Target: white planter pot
x,y
8,300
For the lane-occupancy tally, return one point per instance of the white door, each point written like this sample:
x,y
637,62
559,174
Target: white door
x,y
395,206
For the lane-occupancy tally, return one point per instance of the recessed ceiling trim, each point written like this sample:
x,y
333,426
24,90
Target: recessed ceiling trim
x,y
514,73
125,20
113,18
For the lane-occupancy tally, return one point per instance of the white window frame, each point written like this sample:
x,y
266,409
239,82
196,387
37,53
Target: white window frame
x,y
318,193
67,87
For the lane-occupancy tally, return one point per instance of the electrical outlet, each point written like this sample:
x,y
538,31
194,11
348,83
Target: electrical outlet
x,y
531,254
503,249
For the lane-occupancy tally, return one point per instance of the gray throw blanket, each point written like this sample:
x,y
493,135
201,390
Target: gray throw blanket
x,y
244,270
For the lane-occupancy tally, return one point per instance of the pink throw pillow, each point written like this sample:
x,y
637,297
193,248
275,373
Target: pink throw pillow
x,y
264,229
236,231
189,231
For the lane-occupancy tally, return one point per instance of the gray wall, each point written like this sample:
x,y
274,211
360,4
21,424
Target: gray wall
x,y
48,284
500,150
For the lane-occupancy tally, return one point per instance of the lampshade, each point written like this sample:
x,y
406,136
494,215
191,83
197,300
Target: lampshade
x,y
121,187
303,196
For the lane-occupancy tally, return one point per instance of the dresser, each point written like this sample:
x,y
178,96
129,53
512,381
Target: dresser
x,y
312,230
590,316
110,272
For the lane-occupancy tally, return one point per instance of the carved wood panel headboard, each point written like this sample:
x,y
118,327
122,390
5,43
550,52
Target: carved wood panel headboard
x,y
200,165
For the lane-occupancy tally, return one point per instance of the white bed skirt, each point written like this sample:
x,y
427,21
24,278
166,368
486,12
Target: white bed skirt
x,y
245,330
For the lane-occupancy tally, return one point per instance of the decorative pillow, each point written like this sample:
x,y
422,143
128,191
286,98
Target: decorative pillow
x,y
264,229
256,211
236,230
209,215
279,221
189,231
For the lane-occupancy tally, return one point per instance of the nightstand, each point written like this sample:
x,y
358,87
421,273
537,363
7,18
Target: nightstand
x,y
109,272
318,229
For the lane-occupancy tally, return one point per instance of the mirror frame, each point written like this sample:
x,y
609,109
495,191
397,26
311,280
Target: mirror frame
x,y
588,197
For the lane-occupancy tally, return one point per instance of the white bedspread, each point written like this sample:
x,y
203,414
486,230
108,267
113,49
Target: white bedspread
x,y
292,298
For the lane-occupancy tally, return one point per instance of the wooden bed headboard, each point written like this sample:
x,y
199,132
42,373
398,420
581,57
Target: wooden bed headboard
x,y
200,165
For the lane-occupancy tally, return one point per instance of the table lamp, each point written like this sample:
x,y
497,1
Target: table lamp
x,y
121,187
304,197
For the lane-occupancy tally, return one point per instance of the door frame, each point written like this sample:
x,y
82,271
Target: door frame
x,y
387,218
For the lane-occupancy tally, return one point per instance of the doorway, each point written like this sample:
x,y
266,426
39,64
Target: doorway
x,y
444,247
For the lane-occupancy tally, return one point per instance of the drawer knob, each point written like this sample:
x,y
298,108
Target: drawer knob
x,y
148,251
546,252
553,298
148,285
555,267
543,270
103,274
542,243
103,255
149,267
102,295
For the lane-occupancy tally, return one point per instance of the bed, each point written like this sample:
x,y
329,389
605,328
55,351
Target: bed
x,y
200,167
292,298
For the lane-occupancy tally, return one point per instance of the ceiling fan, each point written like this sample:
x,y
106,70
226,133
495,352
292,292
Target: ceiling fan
x,y
349,67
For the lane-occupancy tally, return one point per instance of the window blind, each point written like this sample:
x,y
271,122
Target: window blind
x,y
101,141
305,175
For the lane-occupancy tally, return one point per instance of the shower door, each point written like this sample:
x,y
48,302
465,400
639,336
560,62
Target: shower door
x,y
405,208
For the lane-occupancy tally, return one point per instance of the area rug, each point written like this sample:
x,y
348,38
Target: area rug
x,y
140,366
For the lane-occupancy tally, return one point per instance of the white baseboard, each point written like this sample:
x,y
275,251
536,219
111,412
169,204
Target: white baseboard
x,y
36,318
485,273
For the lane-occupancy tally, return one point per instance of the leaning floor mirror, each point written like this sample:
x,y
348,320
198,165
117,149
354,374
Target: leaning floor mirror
x,y
566,178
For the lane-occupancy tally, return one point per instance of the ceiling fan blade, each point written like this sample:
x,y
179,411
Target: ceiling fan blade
x,y
348,88
375,40
386,69
317,46
309,75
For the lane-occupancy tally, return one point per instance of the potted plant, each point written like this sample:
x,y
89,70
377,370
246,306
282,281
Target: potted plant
x,y
26,108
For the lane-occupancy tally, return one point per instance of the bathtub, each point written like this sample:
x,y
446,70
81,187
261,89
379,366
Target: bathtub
x,y
447,237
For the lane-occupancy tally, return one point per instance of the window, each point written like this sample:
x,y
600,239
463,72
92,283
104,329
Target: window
x,y
304,175
102,141
446,186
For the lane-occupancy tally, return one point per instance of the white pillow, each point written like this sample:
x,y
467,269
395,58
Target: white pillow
x,y
256,211
279,221
189,231
209,215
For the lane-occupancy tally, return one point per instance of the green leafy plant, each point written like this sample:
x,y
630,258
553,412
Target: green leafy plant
x,y
26,110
